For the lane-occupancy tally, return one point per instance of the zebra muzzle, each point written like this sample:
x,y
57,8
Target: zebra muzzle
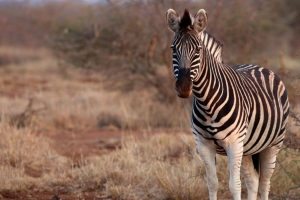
x,y
184,84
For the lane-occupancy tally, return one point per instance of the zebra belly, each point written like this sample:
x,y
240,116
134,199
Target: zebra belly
x,y
248,149
255,140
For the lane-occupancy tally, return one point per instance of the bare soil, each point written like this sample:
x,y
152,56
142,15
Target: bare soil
x,y
78,144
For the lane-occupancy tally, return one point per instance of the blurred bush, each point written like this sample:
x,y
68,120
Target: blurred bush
x,y
128,41
253,29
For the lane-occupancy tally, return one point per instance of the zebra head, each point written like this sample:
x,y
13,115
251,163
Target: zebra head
x,y
186,47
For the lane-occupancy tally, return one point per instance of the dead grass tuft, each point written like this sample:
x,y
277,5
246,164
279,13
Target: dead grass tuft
x,y
286,179
162,167
25,159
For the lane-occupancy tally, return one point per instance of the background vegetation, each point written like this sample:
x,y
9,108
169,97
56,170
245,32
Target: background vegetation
x,y
71,67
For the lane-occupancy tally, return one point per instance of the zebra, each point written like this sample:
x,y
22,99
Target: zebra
x,y
240,111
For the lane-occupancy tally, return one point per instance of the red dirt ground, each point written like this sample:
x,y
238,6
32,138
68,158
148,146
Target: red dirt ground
x,y
76,144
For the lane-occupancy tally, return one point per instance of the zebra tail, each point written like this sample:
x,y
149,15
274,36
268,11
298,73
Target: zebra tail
x,y
255,160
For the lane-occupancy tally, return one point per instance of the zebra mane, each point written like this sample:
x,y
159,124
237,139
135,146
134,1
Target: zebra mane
x,y
186,20
213,45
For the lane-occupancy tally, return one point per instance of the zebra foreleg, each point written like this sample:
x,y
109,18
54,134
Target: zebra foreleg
x,y
251,177
267,159
208,156
235,154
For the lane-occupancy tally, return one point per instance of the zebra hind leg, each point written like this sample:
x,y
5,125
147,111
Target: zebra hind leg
x,y
267,160
251,177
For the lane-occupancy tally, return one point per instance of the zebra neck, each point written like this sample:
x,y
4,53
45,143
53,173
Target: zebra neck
x,y
212,82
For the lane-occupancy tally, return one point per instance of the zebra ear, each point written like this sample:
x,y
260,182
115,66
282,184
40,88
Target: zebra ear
x,y
173,20
200,21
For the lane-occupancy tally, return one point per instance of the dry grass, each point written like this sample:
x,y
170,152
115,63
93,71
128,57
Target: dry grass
x,y
286,179
161,167
164,166
26,160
